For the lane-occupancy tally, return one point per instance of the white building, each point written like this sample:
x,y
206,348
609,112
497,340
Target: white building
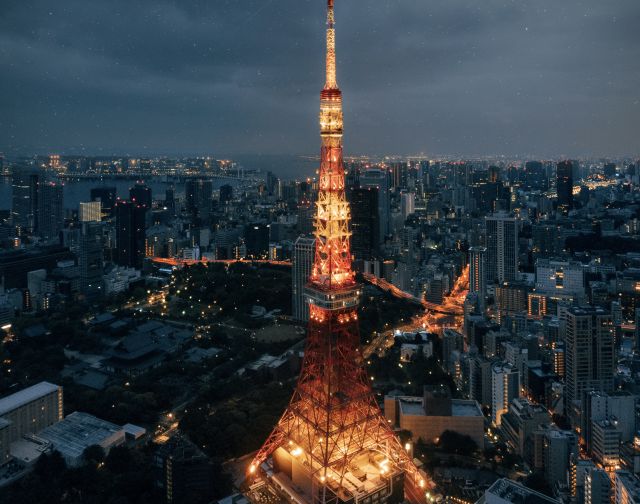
x,y
505,386
559,277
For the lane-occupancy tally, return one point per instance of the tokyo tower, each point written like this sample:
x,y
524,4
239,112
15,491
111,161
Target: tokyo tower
x,y
332,444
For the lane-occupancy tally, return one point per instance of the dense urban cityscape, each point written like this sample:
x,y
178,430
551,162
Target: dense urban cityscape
x,y
376,330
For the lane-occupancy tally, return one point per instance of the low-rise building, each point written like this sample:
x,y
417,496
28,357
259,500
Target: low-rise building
x,y
27,412
77,432
429,416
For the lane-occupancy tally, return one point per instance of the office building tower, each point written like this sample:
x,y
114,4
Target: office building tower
x,y
50,210
627,488
184,473
407,204
170,201
365,224
560,277
505,386
198,196
130,234
91,259
597,486
478,272
564,186
589,352
303,253
502,248
616,407
256,238
226,194
378,178
90,211
24,204
107,198
140,195
559,448
535,176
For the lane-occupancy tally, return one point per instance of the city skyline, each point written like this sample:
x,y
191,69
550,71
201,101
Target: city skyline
x,y
539,81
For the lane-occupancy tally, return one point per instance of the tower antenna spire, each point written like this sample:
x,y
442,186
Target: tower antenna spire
x,y
331,82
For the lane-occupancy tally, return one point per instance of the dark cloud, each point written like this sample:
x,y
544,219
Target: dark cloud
x,y
242,76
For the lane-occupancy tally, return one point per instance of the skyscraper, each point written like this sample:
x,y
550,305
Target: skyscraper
x,y
478,272
140,194
91,259
24,205
333,433
407,204
303,253
107,198
564,186
365,227
90,211
589,351
502,248
50,210
505,387
130,234
198,196
378,178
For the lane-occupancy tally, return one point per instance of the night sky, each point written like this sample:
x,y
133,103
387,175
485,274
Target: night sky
x,y
224,77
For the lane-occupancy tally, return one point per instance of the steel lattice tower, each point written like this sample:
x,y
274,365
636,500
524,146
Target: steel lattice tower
x,y
333,441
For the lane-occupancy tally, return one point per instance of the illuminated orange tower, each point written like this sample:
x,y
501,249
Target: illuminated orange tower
x,y
333,444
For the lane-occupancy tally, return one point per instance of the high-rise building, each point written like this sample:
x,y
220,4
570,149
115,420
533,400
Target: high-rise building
x,y
559,448
24,204
560,277
50,210
333,436
564,186
90,211
226,193
597,487
589,352
365,226
130,233
256,238
407,204
378,178
140,194
107,198
170,201
91,259
183,472
502,248
303,253
478,272
627,488
505,386
198,196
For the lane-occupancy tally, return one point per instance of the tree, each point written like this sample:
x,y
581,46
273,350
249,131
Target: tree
x,y
93,455
454,442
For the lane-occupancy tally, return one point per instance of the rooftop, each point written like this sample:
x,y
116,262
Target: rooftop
x,y
26,396
77,432
513,492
